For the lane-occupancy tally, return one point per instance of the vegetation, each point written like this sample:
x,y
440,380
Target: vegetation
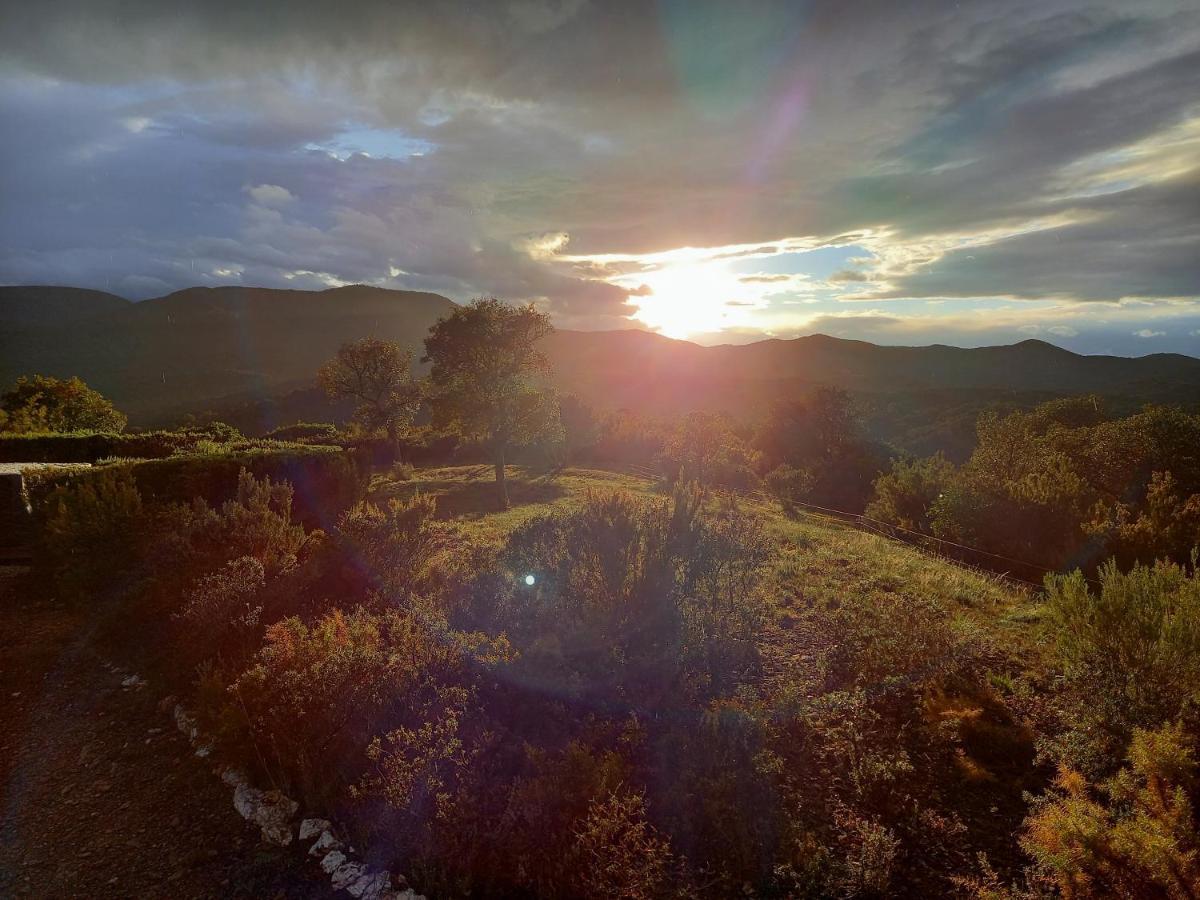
x,y
376,375
44,404
1064,484
484,361
669,686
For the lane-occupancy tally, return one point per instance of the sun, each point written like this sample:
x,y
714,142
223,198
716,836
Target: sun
x,y
683,299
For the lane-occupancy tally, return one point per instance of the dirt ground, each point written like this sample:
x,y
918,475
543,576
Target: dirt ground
x,y
102,797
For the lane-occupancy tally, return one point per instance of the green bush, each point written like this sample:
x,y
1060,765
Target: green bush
x,y
306,433
906,495
326,480
1135,836
88,533
1130,655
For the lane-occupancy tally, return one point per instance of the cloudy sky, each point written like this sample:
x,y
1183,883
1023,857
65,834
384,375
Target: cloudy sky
x,y
967,173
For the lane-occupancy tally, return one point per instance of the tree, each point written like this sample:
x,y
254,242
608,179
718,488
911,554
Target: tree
x,y
42,403
484,377
376,375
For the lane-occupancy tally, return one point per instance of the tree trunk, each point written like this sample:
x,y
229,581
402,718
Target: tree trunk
x,y
501,484
393,434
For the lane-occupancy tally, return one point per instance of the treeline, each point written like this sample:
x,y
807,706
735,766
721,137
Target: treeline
x,y
1062,486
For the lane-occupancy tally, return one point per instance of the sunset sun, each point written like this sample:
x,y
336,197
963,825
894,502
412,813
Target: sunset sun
x,y
684,299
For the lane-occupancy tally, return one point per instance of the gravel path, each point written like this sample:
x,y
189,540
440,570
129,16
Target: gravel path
x,y
102,797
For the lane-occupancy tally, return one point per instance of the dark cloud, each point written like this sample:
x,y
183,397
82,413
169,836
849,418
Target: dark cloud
x,y
423,145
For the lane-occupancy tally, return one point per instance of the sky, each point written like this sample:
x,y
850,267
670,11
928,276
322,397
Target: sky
x,y
968,173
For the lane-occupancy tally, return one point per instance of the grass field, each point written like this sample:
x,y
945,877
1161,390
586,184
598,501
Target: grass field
x,y
818,560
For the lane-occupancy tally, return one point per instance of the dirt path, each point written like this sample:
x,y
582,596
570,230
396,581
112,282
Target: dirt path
x,y
102,797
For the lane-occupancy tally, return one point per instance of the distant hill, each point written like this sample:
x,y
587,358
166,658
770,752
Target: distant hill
x,y
652,373
253,353
199,345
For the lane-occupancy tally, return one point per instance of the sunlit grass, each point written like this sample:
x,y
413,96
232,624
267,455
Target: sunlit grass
x,y
817,560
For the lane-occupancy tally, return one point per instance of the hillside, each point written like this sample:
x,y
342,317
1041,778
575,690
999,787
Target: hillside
x,y
161,356
250,354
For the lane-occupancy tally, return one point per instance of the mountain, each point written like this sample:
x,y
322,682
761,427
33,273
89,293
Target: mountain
x,y
253,353
654,374
200,346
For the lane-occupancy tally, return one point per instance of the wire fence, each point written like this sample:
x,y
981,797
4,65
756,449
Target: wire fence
x,y
972,558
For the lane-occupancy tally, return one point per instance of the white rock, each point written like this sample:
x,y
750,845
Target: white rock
x,y
270,810
204,748
233,777
185,722
310,827
369,885
132,681
324,844
333,860
346,874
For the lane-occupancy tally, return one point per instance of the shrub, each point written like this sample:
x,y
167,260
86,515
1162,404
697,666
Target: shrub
x,y
326,480
1135,836
306,433
789,484
224,607
1130,654
906,495
631,596
401,550
89,533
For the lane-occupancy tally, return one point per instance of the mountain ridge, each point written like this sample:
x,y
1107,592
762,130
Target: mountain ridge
x,y
207,345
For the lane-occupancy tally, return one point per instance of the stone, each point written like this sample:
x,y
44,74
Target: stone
x,y
185,723
346,874
312,827
133,681
369,886
332,861
234,777
270,810
324,844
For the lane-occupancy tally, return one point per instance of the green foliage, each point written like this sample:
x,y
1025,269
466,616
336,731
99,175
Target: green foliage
x,y
822,435
42,403
704,448
94,446
790,485
906,495
485,360
1062,484
89,533
326,480
1130,655
404,550
376,375
306,432
1135,836
632,597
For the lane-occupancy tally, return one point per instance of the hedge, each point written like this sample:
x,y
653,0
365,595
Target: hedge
x,y
326,480
92,446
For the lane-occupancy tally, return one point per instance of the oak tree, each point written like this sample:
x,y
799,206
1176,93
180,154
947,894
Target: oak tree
x,y
377,376
485,378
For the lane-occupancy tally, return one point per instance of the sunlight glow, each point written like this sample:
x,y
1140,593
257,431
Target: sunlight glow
x,y
529,580
683,299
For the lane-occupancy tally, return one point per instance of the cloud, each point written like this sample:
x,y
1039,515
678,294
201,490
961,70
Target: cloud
x,y
565,152
270,194
1149,333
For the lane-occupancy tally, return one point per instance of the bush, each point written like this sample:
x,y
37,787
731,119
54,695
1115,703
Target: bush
x,y
790,485
326,480
1135,836
306,433
1130,655
906,495
89,533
